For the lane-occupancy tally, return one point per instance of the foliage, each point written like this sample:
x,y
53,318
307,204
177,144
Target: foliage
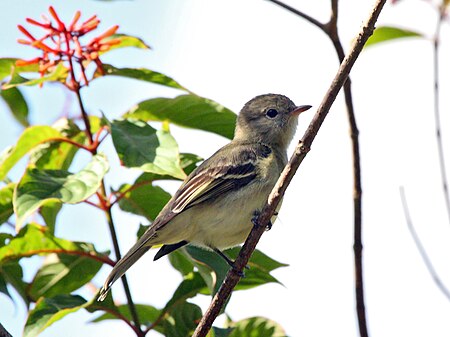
x,y
385,33
52,181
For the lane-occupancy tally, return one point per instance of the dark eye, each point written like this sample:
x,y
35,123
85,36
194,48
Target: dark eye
x,y
271,113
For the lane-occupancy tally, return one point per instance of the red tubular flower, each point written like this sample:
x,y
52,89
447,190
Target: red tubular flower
x,y
21,63
61,25
75,19
61,44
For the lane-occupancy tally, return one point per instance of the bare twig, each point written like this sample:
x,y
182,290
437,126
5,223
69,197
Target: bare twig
x,y
421,248
331,30
300,152
437,117
3,332
300,13
115,241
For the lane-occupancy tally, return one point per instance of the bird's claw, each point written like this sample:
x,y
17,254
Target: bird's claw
x,y
256,223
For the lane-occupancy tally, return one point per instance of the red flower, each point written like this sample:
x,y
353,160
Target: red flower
x,y
61,44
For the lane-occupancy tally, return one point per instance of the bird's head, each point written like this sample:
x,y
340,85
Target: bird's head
x,y
269,119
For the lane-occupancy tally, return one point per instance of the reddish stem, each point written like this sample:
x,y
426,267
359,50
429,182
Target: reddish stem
x,y
101,258
121,195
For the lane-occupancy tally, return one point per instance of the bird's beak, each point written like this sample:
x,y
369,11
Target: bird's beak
x,y
298,110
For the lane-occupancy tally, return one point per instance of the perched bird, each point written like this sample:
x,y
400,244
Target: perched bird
x,y
215,205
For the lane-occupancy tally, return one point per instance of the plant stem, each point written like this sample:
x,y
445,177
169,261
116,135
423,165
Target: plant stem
x,y
331,30
420,247
233,276
85,117
126,287
106,207
437,117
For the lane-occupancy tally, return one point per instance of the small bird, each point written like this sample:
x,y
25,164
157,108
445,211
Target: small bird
x,y
215,205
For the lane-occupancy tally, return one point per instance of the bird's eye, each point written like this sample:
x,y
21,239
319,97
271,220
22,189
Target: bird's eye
x,y
271,113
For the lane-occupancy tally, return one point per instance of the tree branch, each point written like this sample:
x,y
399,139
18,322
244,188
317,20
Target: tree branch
x,y
300,152
106,206
331,30
420,247
437,117
3,332
308,18
126,287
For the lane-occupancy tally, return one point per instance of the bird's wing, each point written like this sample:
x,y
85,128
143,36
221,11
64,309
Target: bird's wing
x,y
224,172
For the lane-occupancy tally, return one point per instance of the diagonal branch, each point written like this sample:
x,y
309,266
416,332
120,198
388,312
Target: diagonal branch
x,y
421,248
3,332
301,150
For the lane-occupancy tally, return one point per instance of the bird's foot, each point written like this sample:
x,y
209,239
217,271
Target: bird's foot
x,y
230,262
256,223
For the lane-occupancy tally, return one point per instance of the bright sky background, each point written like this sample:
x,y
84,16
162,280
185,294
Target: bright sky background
x,y
231,51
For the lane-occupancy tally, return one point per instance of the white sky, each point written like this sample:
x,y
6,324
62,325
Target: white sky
x,y
231,51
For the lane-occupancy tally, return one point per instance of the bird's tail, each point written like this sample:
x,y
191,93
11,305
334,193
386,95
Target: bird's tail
x,y
122,266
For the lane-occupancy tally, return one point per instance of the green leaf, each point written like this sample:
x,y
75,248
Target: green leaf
x,y
62,274
38,186
6,206
38,240
257,326
11,273
58,155
49,212
188,111
58,74
182,321
209,263
127,41
146,200
220,332
16,104
189,162
139,145
147,314
259,273
258,260
181,262
141,74
384,33
8,67
30,138
50,310
192,285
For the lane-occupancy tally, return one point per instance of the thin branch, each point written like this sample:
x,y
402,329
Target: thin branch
x,y
115,241
420,247
308,18
121,195
106,207
93,204
76,88
119,316
357,186
3,332
90,255
331,30
233,275
437,117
